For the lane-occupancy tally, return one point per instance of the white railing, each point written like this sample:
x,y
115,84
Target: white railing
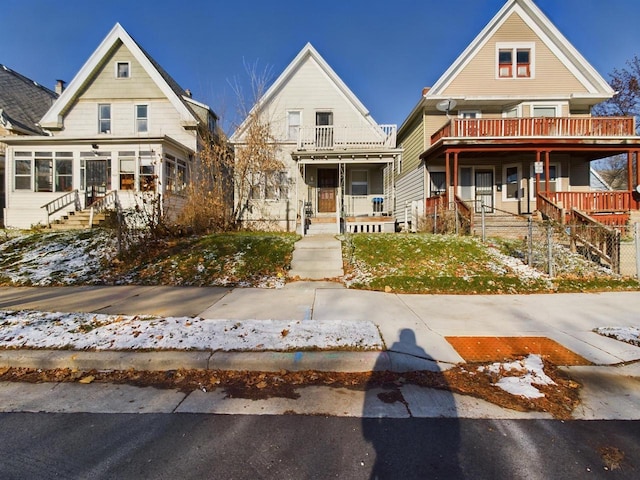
x,y
333,137
372,205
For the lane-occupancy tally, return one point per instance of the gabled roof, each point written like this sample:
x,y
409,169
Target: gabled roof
x,y
163,80
547,32
307,52
22,102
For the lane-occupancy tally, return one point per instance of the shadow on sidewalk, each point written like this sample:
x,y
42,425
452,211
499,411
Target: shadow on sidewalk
x,y
404,423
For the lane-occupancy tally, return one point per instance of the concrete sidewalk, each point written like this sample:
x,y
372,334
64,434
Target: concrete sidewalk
x,y
566,318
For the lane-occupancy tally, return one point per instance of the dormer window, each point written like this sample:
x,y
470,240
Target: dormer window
x,y
123,69
515,61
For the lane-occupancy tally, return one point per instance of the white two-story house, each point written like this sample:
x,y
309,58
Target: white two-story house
x,y
338,162
121,128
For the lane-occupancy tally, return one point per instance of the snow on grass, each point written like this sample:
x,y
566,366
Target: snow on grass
x,y
83,331
624,334
520,376
57,258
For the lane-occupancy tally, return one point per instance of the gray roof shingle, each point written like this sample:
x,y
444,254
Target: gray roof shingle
x,y
22,101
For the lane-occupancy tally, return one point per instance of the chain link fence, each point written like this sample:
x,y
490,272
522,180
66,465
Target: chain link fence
x,y
574,249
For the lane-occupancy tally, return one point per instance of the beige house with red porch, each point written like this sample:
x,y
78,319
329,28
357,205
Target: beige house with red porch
x,y
508,126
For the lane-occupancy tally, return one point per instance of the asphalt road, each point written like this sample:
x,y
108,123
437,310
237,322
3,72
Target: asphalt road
x,y
170,446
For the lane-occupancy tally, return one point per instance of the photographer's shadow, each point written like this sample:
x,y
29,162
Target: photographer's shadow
x,y
414,429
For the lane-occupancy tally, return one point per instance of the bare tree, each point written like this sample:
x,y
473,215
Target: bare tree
x,y
209,192
626,102
257,165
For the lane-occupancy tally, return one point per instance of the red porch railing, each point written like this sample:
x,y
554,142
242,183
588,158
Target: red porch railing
x,y
608,208
606,201
537,127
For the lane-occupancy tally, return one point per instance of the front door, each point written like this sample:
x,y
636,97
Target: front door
x,y
327,185
97,176
484,190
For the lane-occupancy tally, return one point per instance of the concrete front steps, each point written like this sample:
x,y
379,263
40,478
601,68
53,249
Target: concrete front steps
x,y
317,257
77,220
323,226
502,226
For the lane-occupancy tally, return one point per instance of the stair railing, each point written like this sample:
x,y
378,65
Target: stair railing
x,y
59,203
109,201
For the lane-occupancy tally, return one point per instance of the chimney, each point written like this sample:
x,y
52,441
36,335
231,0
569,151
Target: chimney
x,y
187,92
60,86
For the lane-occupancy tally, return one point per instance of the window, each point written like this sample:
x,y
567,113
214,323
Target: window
x,y
438,181
269,186
515,61
142,118
64,174
147,175
512,180
543,111
104,118
127,163
123,70
22,173
359,182
294,120
175,171
44,172
553,180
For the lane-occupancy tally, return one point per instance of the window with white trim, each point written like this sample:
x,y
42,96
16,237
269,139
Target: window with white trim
x,y
127,164
142,118
515,60
273,185
43,171
554,179
123,70
104,118
294,121
147,174
512,182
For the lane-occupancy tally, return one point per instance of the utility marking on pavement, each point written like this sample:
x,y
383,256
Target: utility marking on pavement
x,y
307,314
297,357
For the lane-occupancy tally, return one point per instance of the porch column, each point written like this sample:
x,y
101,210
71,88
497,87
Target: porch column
x,y
537,175
447,175
455,174
546,171
630,160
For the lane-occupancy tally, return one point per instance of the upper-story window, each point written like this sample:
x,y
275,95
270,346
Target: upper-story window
x,y
515,61
123,69
294,120
104,118
142,118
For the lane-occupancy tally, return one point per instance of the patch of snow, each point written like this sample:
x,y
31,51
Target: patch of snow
x,y
81,331
624,334
520,376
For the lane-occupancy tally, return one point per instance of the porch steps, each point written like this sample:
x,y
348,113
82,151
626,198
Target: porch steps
x,y
502,226
323,226
317,257
77,220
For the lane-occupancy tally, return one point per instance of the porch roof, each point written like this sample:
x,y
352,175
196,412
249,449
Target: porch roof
x,y
345,156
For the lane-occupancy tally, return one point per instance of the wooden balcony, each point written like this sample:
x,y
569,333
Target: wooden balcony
x,y
537,127
359,137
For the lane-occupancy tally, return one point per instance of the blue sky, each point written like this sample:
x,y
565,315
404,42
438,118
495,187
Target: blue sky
x,y
385,51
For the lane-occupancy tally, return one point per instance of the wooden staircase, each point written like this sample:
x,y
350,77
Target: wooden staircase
x,y
78,220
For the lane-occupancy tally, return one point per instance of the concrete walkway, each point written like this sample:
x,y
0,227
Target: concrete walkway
x,y
317,257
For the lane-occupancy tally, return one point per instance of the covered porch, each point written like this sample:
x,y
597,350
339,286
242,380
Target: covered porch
x,y
346,193
487,165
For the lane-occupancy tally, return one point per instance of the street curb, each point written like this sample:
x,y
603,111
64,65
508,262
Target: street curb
x,y
328,361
